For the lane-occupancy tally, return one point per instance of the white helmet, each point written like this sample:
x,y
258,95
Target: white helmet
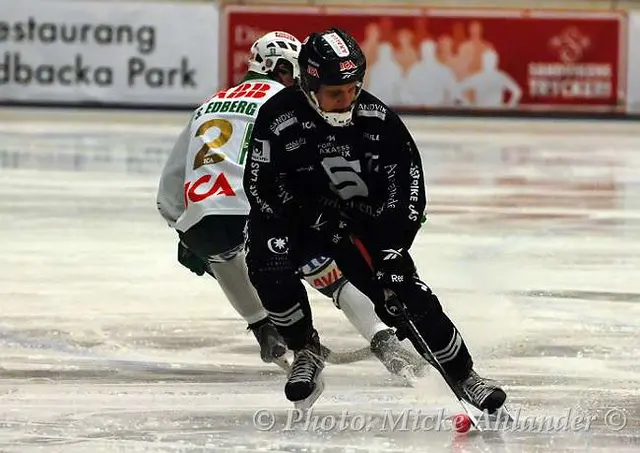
x,y
267,52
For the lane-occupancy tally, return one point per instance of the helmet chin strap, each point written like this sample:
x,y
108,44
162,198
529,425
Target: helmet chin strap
x,y
336,119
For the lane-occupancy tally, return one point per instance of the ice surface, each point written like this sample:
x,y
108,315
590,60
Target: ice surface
x,y
108,345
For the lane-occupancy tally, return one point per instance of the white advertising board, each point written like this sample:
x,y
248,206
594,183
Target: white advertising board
x,y
65,51
633,63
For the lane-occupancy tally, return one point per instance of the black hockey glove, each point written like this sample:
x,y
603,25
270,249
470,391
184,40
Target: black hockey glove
x,y
395,272
190,260
394,269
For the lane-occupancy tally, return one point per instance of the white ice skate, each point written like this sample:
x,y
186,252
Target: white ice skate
x,y
398,360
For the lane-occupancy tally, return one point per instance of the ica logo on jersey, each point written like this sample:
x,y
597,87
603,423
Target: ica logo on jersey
x,y
199,190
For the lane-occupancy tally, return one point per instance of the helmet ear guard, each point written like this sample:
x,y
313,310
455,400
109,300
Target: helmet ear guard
x,y
333,58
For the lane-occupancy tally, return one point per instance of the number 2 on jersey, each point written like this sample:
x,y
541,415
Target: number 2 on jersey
x,y
204,157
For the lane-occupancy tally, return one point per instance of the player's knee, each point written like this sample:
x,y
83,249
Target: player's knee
x,y
265,272
233,253
232,256
322,273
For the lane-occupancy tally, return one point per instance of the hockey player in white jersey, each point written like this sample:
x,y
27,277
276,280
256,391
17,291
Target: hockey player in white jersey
x,y
201,196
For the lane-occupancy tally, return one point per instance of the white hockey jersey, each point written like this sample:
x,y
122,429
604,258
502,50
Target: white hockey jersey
x,y
203,174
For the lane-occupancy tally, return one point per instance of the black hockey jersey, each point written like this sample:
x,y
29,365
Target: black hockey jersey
x,y
370,171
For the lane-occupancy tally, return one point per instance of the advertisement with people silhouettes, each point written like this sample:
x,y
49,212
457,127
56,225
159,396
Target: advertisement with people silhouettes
x,y
466,59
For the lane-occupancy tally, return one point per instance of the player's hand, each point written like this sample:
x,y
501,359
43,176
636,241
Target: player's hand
x,y
394,269
389,310
190,260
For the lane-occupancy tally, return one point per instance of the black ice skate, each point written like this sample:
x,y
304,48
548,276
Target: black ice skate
x,y
398,360
305,383
482,393
272,346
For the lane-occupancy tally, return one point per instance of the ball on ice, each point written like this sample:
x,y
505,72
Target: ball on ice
x,y
462,423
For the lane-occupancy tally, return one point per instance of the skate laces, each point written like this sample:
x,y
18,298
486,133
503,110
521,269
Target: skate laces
x,y
477,388
304,366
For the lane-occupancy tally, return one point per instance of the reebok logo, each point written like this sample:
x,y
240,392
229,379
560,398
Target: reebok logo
x,y
391,254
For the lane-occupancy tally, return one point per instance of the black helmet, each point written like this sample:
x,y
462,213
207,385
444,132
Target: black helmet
x,y
331,57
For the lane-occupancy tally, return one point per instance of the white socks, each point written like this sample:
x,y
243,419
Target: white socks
x,y
360,311
233,278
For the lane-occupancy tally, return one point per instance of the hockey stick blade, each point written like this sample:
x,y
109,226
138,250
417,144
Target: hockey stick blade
x,y
344,357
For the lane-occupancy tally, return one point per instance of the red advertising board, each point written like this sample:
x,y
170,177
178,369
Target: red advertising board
x,y
460,58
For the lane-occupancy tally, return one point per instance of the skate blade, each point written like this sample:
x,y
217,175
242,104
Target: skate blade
x,y
283,363
305,404
500,420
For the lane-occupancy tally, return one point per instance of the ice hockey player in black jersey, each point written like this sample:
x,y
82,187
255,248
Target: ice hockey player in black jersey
x,y
200,195
332,170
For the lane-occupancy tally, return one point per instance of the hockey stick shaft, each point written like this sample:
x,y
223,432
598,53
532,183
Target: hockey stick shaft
x,y
336,357
344,357
425,351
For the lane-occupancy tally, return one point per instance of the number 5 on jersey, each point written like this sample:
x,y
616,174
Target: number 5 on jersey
x,y
344,175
